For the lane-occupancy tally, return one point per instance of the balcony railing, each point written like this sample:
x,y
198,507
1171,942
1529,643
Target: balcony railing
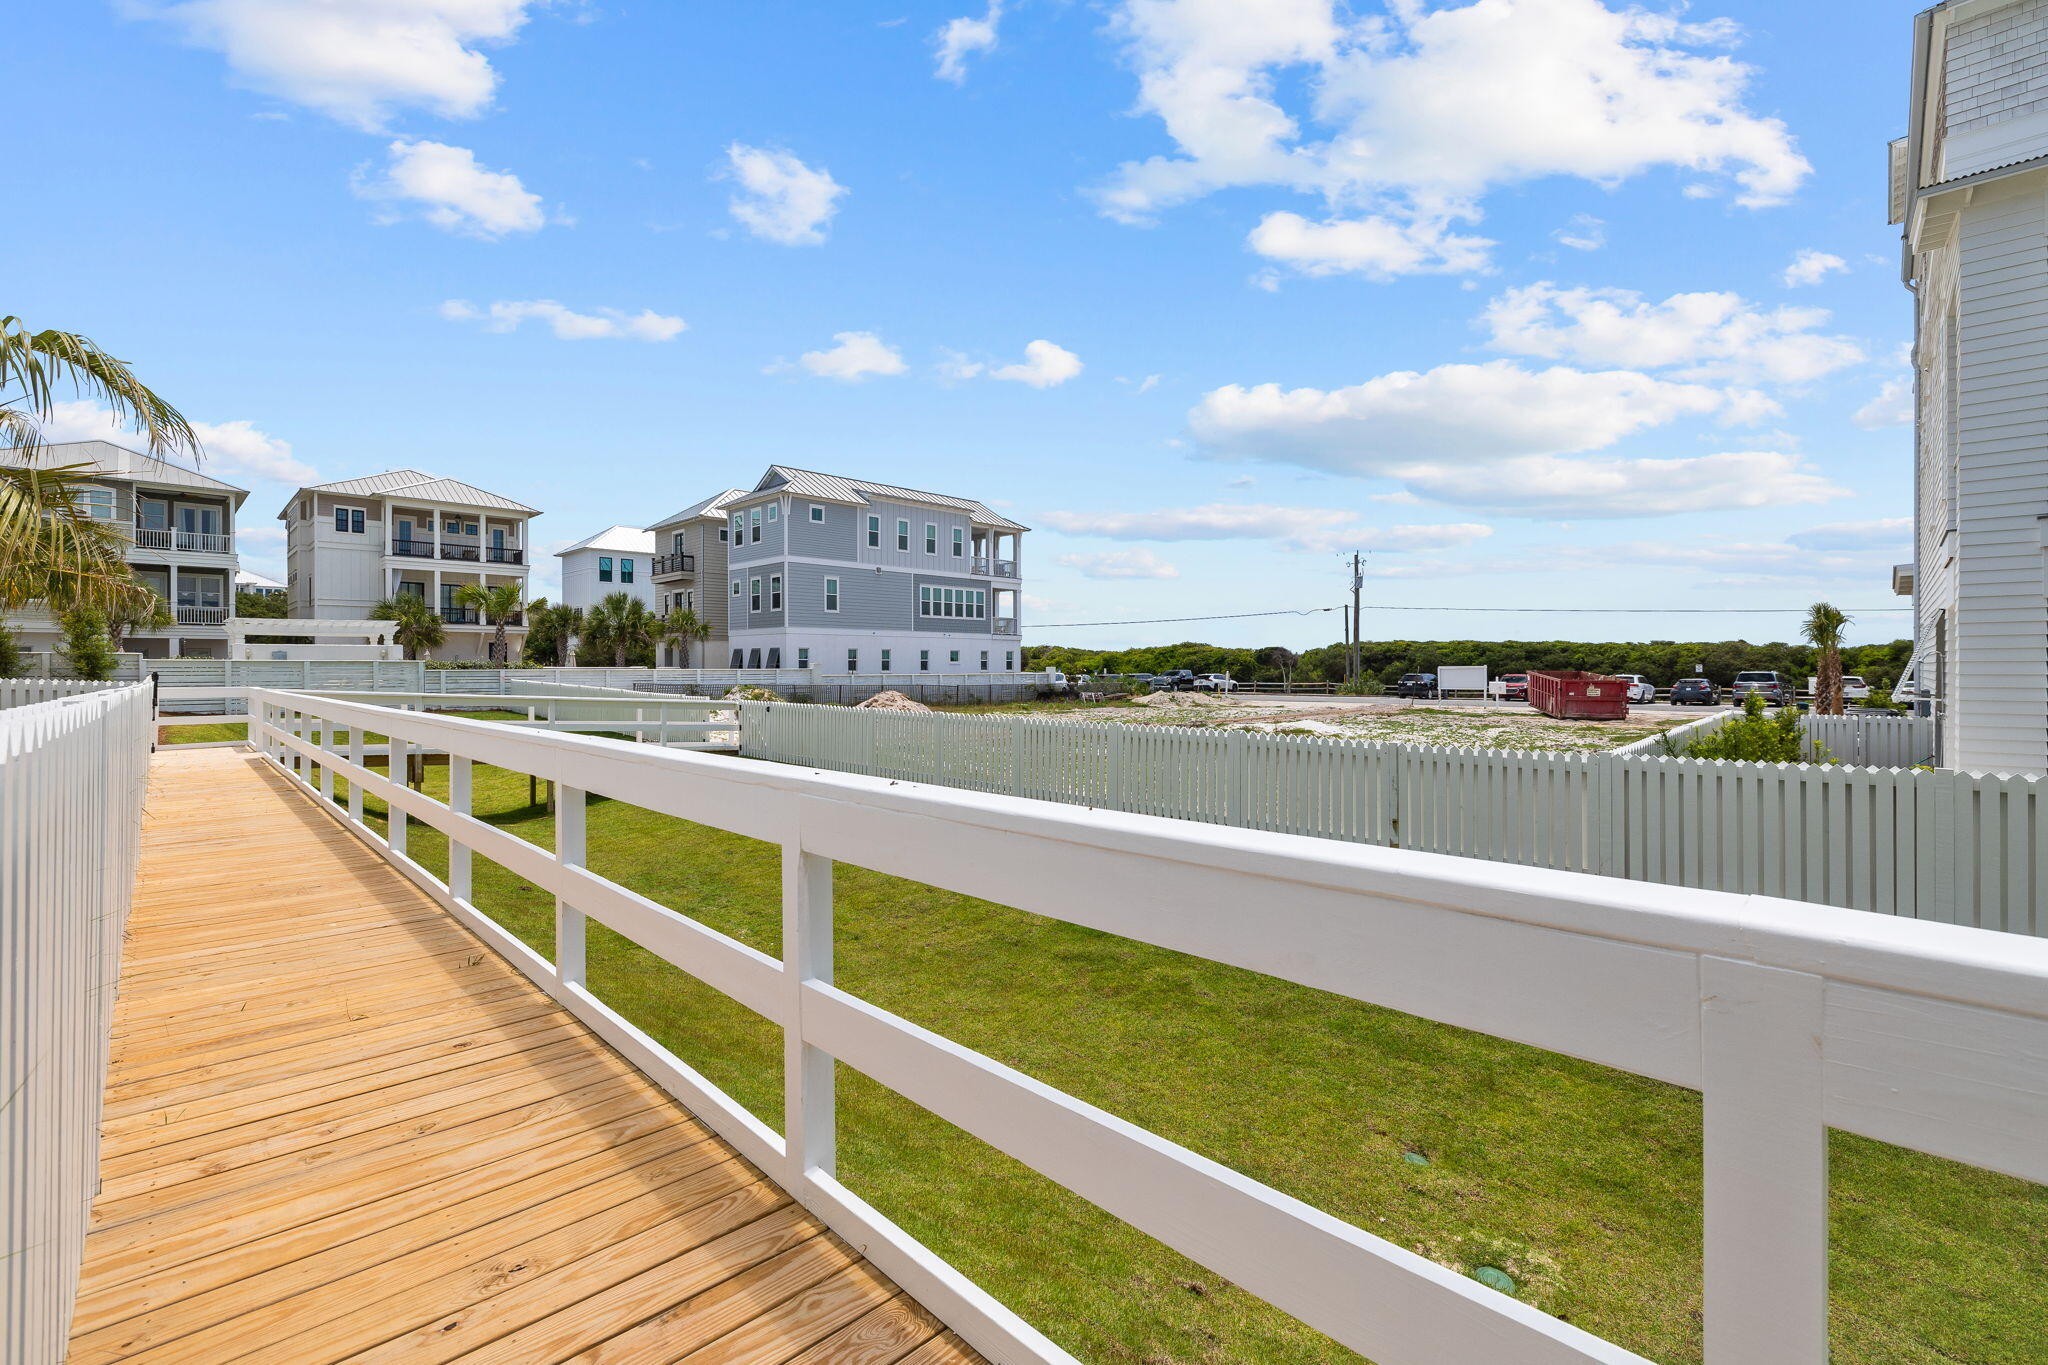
x,y
200,616
417,549
470,616
675,563
1006,625
984,567
503,554
203,542
467,552
1006,568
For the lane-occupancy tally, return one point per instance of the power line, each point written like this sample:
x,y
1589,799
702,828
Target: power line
x,y
1520,611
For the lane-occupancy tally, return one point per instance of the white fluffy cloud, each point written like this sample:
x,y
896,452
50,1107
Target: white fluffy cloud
x,y
1703,336
1376,246
1811,267
1120,564
960,38
506,315
857,356
1044,365
1412,117
1891,407
357,61
780,198
1887,533
1497,437
236,449
449,188
1583,233
1304,528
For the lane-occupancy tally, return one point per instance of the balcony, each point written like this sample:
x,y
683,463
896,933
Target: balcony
x,y
470,616
1006,625
675,563
414,549
503,554
469,553
201,542
985,567
199,616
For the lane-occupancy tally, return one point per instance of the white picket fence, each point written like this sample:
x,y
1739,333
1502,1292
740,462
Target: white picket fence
x,y
1792,1019
73,770
28,691
1962,848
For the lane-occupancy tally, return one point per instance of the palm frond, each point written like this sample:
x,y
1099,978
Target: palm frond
x,y
41,364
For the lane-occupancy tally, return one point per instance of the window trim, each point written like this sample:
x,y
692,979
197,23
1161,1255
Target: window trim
x,y
959,542
817,513
735,588
831,594
903,535
803,656
625,571
775,592
754,594
874,532
604,568
924,661
774,512
931,538
853,661
885,660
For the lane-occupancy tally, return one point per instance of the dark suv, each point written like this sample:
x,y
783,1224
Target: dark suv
x,y
1416,685
1773,687
1694,692
1178,680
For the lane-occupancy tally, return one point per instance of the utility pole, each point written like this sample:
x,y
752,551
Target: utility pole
x,y
1357,577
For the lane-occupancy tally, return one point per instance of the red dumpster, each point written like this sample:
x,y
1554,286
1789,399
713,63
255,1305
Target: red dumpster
x,y
1569,694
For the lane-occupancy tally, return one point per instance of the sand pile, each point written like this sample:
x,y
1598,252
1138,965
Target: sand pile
x,y
890,701
1177,699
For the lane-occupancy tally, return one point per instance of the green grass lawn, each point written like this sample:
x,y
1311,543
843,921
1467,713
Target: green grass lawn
x,y
1583,1181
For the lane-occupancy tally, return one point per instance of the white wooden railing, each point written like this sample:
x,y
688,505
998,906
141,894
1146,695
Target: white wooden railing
x,y
1790,1018
72,775
28,691
688,722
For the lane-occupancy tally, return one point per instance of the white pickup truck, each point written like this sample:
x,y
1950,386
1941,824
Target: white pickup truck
x,y
1853,687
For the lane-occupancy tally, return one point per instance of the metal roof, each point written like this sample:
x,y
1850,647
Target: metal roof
x,y
630,539
838,488
412,483
245,579
710,507
118,462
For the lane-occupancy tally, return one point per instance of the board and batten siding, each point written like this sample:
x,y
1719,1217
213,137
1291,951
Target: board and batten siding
x,y
833,538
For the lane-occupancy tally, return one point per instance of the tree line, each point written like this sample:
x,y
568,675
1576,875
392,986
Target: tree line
x,y
1384,661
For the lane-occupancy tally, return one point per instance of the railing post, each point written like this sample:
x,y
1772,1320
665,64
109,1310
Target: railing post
x,y
458,851
327,768
1766,1165
570,851
355,785
809,1124
397,759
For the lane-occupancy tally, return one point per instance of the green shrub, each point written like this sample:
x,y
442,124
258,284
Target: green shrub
x,y
86,647
10,654
1756,737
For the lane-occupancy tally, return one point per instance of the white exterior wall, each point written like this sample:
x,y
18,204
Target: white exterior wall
x,y
828,650
582,588
1979,257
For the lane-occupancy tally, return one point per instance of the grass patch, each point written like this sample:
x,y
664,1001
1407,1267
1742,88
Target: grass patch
x,y
202,734
1438,1139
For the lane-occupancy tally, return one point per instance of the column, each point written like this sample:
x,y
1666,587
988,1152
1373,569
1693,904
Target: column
x,y
435,513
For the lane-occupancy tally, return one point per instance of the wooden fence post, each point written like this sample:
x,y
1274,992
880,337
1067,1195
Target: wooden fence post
x,y
570,851
809,1124
459,777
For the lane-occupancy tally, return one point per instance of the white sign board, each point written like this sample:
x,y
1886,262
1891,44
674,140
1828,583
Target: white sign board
x,y
1461,678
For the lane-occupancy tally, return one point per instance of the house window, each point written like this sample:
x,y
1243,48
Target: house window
x,y
924,661
959,541
754,526
874,533
931,538
885,661
469,528
604,568
753,594
817,512
902,533
952,656
753,658
775,592
853,661
97,503
774,511
739,529
1009,661
305,509
349,520
724,537
984,661
735,587
451,527
803,656
675,543
831,594
154,515
625,571
738,659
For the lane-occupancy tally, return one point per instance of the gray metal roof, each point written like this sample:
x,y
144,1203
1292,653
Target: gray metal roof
x,y
429,488
838,488
629,539
710,507
118,462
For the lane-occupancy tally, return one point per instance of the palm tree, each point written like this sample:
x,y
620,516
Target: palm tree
x,y
419,626
1823,630
685,628
497,606
621,623
50,549
551,632
146,612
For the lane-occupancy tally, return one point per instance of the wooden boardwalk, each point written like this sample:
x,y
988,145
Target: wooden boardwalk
x,y
340,1128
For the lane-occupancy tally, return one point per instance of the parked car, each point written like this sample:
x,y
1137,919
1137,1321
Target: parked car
x,y
1176,680
1853,687
1416,685
1694,692
1214,682
1514,687
1775,690
1640,688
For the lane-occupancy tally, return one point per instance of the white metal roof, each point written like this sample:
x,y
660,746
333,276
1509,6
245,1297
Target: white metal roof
x,y
838,488
626,539
246,579
710,507
118,462
413,484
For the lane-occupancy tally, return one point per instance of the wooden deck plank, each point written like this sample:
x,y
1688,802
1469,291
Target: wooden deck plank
x,y
339,1127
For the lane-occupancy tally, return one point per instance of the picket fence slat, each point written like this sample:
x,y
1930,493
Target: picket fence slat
x,y
1893,839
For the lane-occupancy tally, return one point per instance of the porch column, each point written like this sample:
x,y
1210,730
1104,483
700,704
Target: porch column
x,y
435,512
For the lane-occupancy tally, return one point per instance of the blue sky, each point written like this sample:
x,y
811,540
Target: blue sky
x,y
1207,292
